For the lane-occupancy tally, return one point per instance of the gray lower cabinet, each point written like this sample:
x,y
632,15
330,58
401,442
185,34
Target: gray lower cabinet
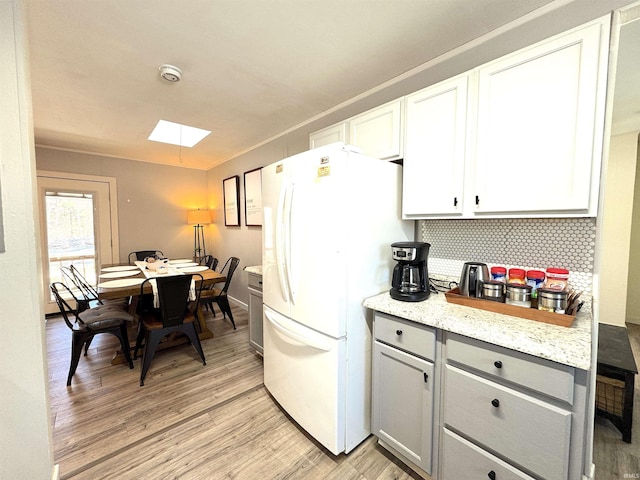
x,y
403,389
508,412
454,407
255,311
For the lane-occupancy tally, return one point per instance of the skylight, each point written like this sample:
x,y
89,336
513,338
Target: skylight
x,y
177,134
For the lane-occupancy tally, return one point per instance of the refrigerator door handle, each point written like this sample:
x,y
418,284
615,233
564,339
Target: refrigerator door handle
x,y
288,244
280,247
318,343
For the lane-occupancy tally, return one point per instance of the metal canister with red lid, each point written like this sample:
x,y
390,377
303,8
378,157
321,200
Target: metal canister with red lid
x,y
535,278
557,279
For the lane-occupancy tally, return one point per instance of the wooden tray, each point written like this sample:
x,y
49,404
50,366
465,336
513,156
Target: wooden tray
x,y
453,296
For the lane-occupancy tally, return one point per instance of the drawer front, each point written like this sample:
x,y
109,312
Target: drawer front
x,y
463,459
541,375
405,335
255,281
530,433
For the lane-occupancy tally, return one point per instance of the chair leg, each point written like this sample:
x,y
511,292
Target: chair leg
x,y
77,341
152,339
86,345
189,329
223,302
139,338
124,342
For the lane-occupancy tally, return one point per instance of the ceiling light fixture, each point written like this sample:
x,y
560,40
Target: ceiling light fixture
x,y
170,73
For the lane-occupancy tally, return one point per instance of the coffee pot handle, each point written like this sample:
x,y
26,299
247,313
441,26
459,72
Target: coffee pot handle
x,y
473,280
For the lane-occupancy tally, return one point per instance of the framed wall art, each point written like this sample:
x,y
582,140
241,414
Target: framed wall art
x,y
230,190
253,197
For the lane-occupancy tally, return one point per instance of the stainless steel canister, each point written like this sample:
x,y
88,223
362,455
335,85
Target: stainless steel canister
x,y
518,294
493,290
552,300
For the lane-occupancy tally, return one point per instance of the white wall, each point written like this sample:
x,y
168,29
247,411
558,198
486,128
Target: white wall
x,y
633,285
25,435
616,228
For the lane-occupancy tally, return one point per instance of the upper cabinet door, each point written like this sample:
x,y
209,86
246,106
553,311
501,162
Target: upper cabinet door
x,y
378,132
435,138
539,127
332,134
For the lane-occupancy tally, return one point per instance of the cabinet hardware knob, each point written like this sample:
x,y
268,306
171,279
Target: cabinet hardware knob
x,y
492,475
477,200
455,201
495,402
426,376
398,332
497,364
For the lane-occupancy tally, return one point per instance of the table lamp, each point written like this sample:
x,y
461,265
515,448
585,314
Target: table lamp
x,y
198,218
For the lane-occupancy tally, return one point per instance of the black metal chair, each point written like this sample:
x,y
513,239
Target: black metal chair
x,y
219,296
87,324
88,294
140,255
210,261
176,312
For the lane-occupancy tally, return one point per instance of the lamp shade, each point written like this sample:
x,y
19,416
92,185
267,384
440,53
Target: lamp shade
x,y
200,217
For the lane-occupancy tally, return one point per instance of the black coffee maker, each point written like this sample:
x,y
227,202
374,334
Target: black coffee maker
x,y
410,281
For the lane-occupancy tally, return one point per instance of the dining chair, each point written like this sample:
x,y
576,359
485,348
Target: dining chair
x,y
88,293
210,261
178,297
140,255
219,296
85,325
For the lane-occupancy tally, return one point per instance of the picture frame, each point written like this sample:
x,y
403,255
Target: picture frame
x,y
253,197
231,197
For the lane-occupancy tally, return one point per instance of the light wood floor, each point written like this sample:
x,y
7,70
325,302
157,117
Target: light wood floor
x,y
189,421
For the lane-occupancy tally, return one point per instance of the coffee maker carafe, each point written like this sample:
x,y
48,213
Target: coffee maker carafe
x,y
410,281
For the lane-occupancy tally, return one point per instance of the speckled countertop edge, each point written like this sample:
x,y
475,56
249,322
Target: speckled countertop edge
x,y
257,269
567,345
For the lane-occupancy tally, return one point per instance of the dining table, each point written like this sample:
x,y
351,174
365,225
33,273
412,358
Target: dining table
x,y
117,281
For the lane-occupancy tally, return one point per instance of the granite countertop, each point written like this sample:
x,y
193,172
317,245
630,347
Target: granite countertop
x,y
257,269
567,345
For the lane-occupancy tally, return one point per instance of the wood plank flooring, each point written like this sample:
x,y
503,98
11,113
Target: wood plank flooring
x,y
189,421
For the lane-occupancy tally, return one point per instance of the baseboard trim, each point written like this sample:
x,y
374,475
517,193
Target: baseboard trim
x,y
238,303
55,472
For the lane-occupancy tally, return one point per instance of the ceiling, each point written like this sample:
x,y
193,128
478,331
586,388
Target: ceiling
x,y
252,69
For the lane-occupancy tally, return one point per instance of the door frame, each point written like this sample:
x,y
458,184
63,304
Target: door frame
x,y
110,183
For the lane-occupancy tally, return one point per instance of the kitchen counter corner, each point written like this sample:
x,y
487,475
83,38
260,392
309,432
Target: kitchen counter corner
x,y
566,345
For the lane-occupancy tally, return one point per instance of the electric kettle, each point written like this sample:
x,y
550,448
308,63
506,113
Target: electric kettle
x,y
474,274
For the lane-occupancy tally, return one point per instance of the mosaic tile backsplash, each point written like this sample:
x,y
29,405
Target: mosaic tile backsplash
x,y
529,243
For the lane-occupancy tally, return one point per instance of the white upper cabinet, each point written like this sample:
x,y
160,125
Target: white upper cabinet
x,y
378,131
334,133
434,152
539,127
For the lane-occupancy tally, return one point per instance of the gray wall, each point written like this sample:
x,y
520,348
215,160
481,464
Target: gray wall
x,y
152,199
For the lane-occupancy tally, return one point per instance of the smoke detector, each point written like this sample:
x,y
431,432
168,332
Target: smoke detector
x,y
170,73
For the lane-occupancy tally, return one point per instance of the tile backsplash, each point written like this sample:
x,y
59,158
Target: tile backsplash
x,y
529,243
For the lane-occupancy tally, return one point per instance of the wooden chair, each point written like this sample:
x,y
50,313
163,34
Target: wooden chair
x,y
209,297
176,312
140,255
87,324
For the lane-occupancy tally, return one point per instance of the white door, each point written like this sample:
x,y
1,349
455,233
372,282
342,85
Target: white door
x,y
378,132
275,180
77,227
304,371
318,240
433,177
538,122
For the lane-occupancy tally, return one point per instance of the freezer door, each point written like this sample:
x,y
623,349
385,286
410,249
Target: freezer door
x,y
304,371
316,212
275,185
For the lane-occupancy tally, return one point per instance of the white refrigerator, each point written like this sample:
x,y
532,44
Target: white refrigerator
x,y
330,216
